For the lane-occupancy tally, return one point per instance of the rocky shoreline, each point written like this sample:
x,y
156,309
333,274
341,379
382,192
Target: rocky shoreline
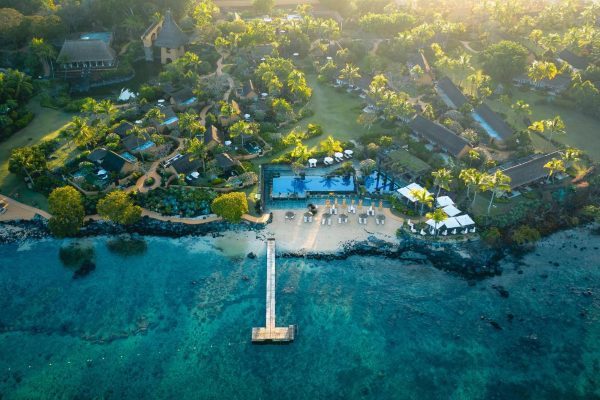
x,y
471,260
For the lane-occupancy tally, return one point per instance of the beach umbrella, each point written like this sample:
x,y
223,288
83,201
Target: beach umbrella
x,y
339,155
289,215
349,152
380,217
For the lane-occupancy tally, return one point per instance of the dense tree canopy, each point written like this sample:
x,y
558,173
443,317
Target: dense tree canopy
x,y
66,206
230,206
504,60
118,207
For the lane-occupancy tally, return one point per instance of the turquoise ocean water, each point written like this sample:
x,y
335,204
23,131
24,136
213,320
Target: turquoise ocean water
x,y
175,323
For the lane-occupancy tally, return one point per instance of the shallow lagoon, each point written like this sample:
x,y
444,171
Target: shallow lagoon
x,y
176,321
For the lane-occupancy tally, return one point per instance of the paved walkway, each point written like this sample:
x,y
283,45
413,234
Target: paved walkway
x,y
17,210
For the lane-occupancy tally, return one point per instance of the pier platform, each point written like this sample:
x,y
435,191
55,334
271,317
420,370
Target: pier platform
x,y
270,332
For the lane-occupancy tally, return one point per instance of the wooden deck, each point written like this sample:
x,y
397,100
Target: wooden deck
x,y
270,332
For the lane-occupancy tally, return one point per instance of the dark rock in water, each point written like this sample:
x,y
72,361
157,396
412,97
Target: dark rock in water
x,y
510,317
501,290
86,268
251,255
245,278
496,325
127,245
74,254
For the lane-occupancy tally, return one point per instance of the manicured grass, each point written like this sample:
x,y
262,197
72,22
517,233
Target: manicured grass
x,y
582,131
45,126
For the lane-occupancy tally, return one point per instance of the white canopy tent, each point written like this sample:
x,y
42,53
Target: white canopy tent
x,y
444,201
451,223
451,211
434,225
465,220
406,191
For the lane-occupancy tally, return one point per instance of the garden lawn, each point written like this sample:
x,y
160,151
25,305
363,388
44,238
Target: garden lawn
x,y
336,111
583,132
46,125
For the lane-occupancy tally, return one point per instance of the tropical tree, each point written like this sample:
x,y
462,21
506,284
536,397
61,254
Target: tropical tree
x,y
540,70
553,126
141,135
367,166
497,183
118,207
438,216
554,166
471,178
190,124
297,86
82,133
243,128
89,106
197,151
349,73
378,87
154,115
473,155
300,152
442,179
521,110
107,108
66,206
504,60
422,196
43,51
571,156
27,160
230,206
330,146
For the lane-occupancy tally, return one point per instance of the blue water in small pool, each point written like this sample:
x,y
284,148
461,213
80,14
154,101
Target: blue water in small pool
x,y
144,146
383,185
284,186
175,323
128,156
170,121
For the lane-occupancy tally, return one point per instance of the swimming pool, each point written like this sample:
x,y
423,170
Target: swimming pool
x,y
144,146
382,185
486,127
189,101
129,157
291,186
170,121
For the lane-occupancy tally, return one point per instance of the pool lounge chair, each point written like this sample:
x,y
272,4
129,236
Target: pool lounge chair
x,y
323,221
473,230
423,233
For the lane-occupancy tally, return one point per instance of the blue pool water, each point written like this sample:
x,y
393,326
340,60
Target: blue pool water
x,y
383,185
104,36
488,129
170,121
145,146
128,156
175,323
284,186
189,101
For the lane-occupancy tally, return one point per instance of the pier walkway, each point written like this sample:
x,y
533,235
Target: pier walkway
x,y
270,332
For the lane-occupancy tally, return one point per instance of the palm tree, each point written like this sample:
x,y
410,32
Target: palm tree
x,y
153,114
470,178
442,179
521,109
349,73
554,126
422,196
438,216
300,152
197,151
473,156
107,108
243,128
82,132
554,166
497,183
20,82
571,156
189,123
89,106
331,146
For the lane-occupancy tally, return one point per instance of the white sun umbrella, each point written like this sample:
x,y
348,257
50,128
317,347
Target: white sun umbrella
x,y
312,160
451,210
465,220
349,152
451,223
328,159
102,172
444,201
339,155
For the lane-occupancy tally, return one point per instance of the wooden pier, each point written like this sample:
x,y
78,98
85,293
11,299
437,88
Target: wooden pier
x,y
270,332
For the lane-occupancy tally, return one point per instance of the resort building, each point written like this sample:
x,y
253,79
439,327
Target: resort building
x,y
576,62
226,162
440,136
183,99
123,128
111,161
91,52
212,138
246,91
166,35
450,93
491,122
135,144
185,165
557,85
528,170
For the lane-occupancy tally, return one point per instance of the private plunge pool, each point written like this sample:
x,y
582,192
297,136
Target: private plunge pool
x,y
285,187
